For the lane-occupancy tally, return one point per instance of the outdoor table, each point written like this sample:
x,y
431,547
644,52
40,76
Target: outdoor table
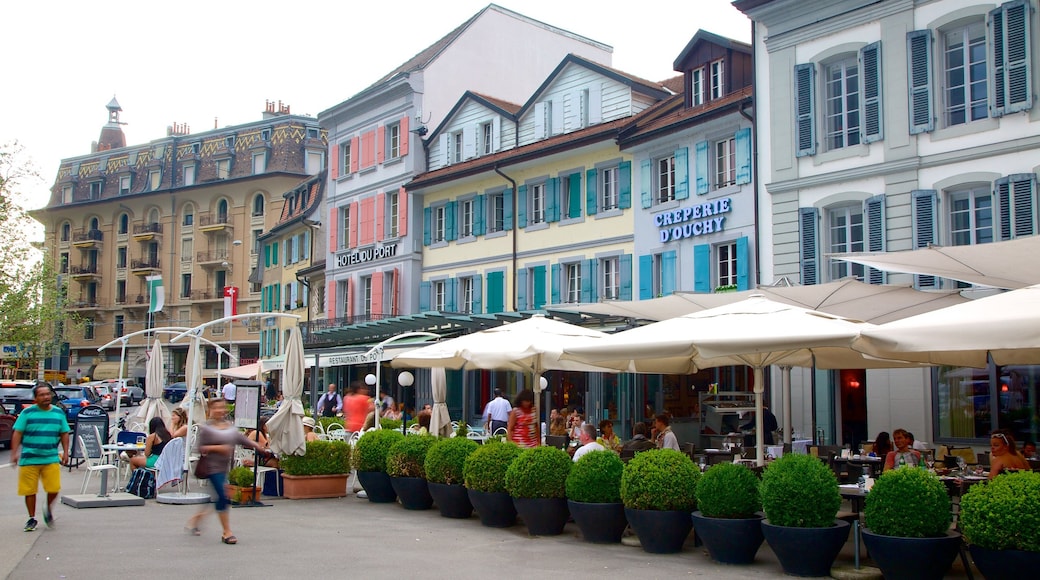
x,y
856,497
874,464
118,448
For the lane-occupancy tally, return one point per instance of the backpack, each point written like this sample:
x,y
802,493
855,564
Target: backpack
x,y
142,483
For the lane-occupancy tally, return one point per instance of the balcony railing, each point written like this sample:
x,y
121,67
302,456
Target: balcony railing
x,y
214,220
206,295
91,269
88,236
84,304
152,228
145,264
212,256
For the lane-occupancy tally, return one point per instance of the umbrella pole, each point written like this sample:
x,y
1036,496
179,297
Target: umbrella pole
x,y
786,379
760,436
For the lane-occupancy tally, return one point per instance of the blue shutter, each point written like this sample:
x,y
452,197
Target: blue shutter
x,y
1012,86
521,207
743,264
682,173
702,268
743,139
574,203
703,180
805,109
495,292
645,176
808,219
646,277
552,199
538,293
625,277
521,289
668,273
479,226
451,294
870,67
1015,209
923,210
588,281
591,203
478,294
625,184
450,218
919,77
507,202
874,216
424,296
427,220
554,283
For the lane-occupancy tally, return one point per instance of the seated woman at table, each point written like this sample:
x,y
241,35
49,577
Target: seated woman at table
x,y
558,422
308,430
882,445
608,439
1003,454
179,423
260,436
903,455
158,437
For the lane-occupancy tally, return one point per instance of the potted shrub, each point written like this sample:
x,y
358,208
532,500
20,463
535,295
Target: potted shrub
x,y
727,520
405,465
658,488
907,516
1001,523
536,480
444,463
370,461
322,471
800,497
241,485
485,473
594,497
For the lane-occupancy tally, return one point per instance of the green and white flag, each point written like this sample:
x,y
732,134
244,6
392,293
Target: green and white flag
x,y
156,295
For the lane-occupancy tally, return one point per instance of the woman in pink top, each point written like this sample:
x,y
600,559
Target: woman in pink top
x,y
356,407
522,428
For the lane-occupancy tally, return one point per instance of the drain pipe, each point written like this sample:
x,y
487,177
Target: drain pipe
x,y
754,158
516,195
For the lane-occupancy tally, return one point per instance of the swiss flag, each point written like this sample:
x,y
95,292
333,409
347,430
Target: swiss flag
x,y
230,301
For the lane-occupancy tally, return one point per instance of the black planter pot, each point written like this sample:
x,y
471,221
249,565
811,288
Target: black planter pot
x,y
543,516
378,487
806,551
496,510
413,492
729,541
600,523
452,500
912,558
660,532
1005,564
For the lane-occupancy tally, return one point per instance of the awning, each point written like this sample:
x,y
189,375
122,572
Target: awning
x,y
107,370
364,355
277,363
249,371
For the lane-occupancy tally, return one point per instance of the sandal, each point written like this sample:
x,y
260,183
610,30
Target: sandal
x,y
229,540
193,531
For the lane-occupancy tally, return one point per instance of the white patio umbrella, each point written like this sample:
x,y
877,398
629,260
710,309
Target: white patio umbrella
x,y
249,371
285,428
440,422
1005,327
195,399
155,373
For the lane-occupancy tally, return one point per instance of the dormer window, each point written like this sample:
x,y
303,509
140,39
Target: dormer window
x,y
95,190
124,185
196,148
265,134
229,141
697,87
313,133
717,80
66,194
486,139
223,168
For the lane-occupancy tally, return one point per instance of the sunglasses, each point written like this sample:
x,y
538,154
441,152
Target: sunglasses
x,y
1002,437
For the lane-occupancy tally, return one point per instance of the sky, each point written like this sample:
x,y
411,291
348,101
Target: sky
x,y
196,61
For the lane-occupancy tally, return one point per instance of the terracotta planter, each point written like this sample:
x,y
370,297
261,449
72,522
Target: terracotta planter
x,y
242,494
314,486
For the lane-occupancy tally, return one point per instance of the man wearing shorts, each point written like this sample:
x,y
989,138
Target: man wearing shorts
x,y
34,445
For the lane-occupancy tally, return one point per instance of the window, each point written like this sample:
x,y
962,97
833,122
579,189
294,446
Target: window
x,y
466,217
314,162
187,248
572,273
841,87
121,257
229,141
258,206
611,281
666,179
971,216
537,210
717,80
846,234
223,168
725,163
344,212
697,87
124,185
66,194
120,292
571,195
727,264
608,185
964,74
440,224
254,246
66,232
259,163
455,144
345,156
188,175
497,212
265,134
392,212
313,133
64,260
88,329
95,190
393,141
486,139
186,286
118,325
189,216
222,211
124,224
467,295
154,179
439,296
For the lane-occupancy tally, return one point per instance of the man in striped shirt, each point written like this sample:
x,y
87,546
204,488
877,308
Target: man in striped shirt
x,y
34,445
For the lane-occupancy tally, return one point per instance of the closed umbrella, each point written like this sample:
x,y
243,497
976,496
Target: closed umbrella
x,y
195,400
285,428
155,372
440,421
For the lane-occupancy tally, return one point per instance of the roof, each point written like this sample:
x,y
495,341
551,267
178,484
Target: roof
x,y
294,214
674,84
705,36
504,108
656,90
670,116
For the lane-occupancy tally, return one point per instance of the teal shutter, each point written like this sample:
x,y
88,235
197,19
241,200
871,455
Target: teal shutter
x,y
703,179
645,177
923,210
507,201
478,294
554,282
1015,206
870,67
625,184
588,281
521,207
668,273
743,160
682,173
574,205
451,294
267,255
625,277
274,254
591,203
702,268
552,199
646,277
496,293
427,217
743,264
479,225
874,216
919,77
805,109
424,296
538,287
1012,86
521,289
450,218
808,218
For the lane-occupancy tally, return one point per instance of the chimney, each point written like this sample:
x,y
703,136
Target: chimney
x,y
177,129
273,109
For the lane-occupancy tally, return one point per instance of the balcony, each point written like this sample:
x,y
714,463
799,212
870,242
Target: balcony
x,y
84,273
90,304
214,223
206,295
139,301
145,267
88,240
211,258
148,232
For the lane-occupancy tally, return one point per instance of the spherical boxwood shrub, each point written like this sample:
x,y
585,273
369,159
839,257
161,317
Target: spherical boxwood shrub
x,y
446,458
539,472
485,468
1004,514
321,458
799,491
728,490
596,478
660,479
371,450
908,503
407,457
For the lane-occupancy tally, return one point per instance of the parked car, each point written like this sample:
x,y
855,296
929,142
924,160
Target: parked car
x,y
6,427
16,395
107,394
175,392
130,392
75,397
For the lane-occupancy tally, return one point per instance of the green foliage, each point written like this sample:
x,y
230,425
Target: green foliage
x,y
728,490
241,476
462,430
321,458
485,468
392,424
371,450
596,478
407,456
799,491
908,503
539,472
325,422
1004,514
660,479
446,458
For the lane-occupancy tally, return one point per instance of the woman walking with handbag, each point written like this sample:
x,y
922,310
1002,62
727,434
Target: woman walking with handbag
x,y
216,446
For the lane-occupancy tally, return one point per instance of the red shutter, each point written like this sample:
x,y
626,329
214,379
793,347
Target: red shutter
x,y
380,212
404,135
355,153
368,149
377,295
333,228
395,293
380,143
330,300
352,241
402,212
334,161
366,235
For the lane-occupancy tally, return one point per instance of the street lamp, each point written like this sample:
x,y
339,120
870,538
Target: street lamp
x,y
405,379
370,380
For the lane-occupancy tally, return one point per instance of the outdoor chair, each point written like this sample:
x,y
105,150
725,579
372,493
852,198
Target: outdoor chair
x,y
94,464
241,454
557,441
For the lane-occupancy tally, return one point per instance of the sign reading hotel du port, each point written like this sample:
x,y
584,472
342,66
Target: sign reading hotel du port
x,y
365,255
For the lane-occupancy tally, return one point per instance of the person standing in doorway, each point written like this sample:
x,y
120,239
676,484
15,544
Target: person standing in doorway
x,y
229,391
496,413
330,404
34,446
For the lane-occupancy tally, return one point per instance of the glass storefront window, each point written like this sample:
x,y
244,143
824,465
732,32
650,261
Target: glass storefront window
x,y
970,403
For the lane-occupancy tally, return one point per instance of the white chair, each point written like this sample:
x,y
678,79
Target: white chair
x,y
112,456
241,454
94,464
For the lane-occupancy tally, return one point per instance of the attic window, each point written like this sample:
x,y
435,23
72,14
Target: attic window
x,y
265,134
196,148
313,133
229,142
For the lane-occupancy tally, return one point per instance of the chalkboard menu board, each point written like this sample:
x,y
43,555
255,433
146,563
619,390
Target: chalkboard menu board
x,y
86,420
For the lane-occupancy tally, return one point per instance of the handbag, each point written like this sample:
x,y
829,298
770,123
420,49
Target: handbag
x,y
208,464
202,468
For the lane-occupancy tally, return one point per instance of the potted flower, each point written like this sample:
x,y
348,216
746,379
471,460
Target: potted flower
x,y
405,465
241,485
370,461
1001,523
536,480
444,462
485,474
594,497
907,516
727,520
800,497
659,490
322,471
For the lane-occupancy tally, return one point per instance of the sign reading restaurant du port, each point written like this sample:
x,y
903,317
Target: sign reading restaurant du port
x,y
364,255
